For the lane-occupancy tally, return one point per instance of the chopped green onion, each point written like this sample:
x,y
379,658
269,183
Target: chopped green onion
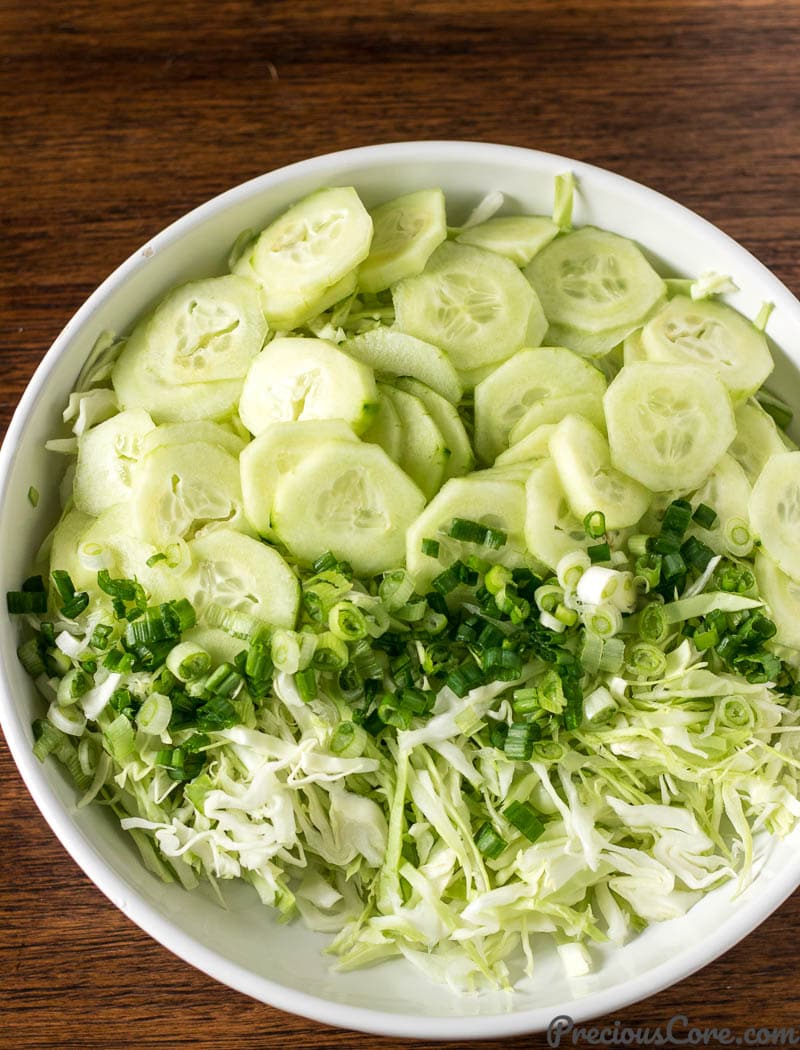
x,y
594,524
474,532
646,660
431,548
548,751
705,639
571,567
188,661
224,680
346,621
613,655
705,516
737,537
330,653
673,566
603,620
677,517
497,579
238,624
489,842
696,553
154,715
325,563
30,656
599,552
19,602
524,818
551,693
520,739
72,687
306,682
348,740
647,567
464,678
395,589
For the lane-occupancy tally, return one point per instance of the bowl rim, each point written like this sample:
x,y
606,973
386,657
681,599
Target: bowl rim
x,y
148,918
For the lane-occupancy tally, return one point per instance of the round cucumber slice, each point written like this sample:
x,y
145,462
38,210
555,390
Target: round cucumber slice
x,y
108,455
276,452
553,409
406,232
395,353
187,433
583,461
668,425
517,237
528,377
349,498
711,335
757,439
474,304
206,331
727,491
775,511
386,429
590,344
496,502
782,595
594,281
551,529
64,543
305,260
535,445
242,573
460,459
110,540
423,454
138,384
300,379
180,490
633,350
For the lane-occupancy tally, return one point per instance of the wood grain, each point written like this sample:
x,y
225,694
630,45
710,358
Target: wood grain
x,y
115,118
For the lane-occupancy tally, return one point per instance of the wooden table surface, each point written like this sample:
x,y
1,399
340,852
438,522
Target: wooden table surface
x,y
118,117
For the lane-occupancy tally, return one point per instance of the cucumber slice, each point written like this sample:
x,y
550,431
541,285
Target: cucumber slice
x,y
349,498
474,304
594,281
496,502
583,461
206,331
757,439
138,384
108,455
299,379
188,433
525,379
727,491
590,344
668,425
180,490
551,529
470,377
65,540
711,335
395,353
276,452
782,595
517,237
305,260
386,429
406,232
554,409
424,454
633,350
445,416
242,573
775,511
220,646
535,445
110,540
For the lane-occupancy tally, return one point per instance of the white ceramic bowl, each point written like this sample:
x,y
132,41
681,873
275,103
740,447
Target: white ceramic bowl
x,y
243,947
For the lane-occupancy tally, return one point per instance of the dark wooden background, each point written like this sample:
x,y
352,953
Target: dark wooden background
x,y
115,118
